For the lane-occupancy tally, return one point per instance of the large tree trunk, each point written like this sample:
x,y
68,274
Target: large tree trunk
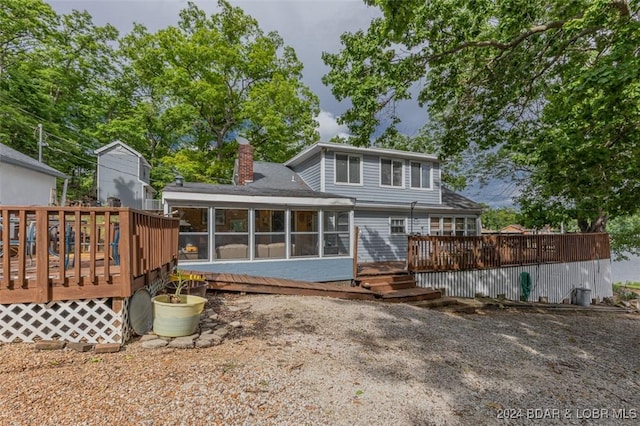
x,y
599,224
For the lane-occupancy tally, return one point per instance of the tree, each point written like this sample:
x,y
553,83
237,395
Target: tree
x,y
625,236
216,77
496,219
53,71
547,93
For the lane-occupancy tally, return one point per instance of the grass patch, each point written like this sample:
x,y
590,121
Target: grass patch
x,y
624,291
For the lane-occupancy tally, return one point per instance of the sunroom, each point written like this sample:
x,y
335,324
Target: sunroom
x,y
286,233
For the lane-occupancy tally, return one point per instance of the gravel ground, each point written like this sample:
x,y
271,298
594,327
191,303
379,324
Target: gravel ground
x,y
311,360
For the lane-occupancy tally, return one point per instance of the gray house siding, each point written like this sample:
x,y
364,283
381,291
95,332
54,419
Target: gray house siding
x,y
376,243
309,171
371,191
118,171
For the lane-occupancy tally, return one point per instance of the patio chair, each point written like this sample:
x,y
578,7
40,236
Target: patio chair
x,y
31,241
115,253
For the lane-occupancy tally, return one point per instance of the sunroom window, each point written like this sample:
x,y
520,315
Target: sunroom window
x,y
304,233
270,234
232,233
193,239
336,233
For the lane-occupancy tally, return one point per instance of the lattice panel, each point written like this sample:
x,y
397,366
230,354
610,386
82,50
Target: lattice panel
x,y
157,285
91,321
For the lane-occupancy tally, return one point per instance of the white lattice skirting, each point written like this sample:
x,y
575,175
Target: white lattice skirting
x,y
91,321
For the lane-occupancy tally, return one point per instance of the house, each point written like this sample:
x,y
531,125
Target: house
x,y
123,175
18,172
298,219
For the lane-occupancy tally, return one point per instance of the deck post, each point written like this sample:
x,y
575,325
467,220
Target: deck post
x,y
356,236
125,247
43,287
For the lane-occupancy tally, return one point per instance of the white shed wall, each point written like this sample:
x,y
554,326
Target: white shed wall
x,y
20,186
555,281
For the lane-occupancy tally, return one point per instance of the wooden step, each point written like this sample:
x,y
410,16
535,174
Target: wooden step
x,y
386,278
410,295
386,283
386,287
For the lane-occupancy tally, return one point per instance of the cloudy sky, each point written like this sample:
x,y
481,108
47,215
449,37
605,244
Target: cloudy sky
x,y
309,26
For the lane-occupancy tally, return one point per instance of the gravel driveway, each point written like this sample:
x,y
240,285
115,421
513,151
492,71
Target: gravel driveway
x,y
312,360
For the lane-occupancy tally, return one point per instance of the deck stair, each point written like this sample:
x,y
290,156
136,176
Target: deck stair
x,y
395,286
388,283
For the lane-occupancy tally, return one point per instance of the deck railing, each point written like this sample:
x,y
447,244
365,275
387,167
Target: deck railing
x,y
68,253
444,253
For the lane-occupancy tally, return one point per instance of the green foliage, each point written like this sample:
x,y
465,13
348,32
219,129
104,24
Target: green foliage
x,y
207,80
546,93
179,96
496,219
625,236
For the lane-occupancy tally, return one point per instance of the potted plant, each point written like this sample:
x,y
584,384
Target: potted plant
x,y
176,314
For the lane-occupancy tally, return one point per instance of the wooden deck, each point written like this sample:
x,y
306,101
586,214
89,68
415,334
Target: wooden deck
x,y
264,285
59,253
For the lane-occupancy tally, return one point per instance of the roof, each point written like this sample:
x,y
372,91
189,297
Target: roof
x,y
275,175
457,201
317,147
110,146
11,156
249,190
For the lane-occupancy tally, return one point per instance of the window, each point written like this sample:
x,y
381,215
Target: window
x,y
459,226
471,226
193,240
348,169
304,233
397,225
420,175
270,234
232,234
391,172
336,233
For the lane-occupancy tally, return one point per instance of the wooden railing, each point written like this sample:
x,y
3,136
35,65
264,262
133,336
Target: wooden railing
x,y
440,253
68,253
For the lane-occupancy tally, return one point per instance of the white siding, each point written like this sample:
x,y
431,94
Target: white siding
x,y
20,186
555,281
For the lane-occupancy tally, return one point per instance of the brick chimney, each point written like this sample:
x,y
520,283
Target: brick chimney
x,y
245,164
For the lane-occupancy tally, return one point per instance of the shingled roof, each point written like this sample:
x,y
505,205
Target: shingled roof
x,y
11,156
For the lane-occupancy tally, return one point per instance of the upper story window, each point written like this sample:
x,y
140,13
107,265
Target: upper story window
x,y
391,172
420,175
348,169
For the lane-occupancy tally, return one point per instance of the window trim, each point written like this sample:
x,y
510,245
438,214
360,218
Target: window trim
x,y
402,164
335,168
421,188
404,222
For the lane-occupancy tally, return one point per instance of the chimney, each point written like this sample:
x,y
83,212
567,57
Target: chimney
x,y
245,163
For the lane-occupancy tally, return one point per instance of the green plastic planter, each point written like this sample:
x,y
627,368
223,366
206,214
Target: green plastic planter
x,y
177,319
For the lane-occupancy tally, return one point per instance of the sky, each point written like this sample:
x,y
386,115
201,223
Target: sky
x,y
309,26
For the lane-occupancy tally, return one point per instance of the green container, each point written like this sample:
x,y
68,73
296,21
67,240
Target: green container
x,y
177,319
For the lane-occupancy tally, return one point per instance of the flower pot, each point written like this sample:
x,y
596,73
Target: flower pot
x,y
177,319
